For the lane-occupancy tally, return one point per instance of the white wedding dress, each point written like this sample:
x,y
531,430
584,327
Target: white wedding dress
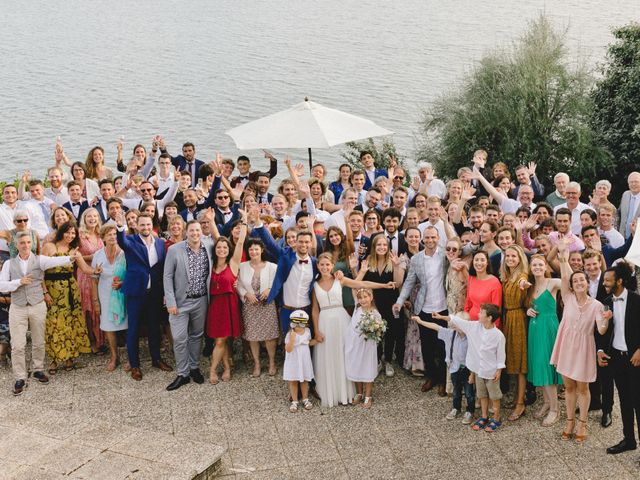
x,y
328,357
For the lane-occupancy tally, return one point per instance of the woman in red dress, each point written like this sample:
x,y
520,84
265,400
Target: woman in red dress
x,y
223,319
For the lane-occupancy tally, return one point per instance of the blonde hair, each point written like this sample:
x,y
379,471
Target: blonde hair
x,y
83,229
523,266
375,261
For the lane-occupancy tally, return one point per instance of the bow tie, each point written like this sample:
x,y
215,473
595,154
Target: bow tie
x,y
303,261
618,299
243,178
76,204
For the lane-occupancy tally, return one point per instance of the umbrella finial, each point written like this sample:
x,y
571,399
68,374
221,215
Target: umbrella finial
x,y
306,99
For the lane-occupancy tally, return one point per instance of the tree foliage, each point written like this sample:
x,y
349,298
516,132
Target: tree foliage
x,y
527,103
381,153
616,113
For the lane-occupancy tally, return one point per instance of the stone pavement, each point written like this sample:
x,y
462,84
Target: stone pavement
x,y
92,424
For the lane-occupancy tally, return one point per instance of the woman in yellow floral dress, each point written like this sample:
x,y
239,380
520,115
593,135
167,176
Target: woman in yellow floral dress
x,y
66,330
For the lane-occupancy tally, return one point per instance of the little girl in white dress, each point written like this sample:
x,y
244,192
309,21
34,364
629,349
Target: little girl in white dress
x,y
361,354
298,368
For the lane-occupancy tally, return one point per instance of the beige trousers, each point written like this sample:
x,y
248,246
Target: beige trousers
x,y
21,319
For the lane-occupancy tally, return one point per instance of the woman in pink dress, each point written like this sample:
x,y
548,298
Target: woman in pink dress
x,y
574,353
223,319
90,243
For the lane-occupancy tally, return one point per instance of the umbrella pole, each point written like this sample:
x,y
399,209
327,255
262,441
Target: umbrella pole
x,y
310,161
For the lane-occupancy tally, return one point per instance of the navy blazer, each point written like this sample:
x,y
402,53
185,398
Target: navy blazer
x,y
180,163
286,258
138,269
208,202
83,206
631,325
379,172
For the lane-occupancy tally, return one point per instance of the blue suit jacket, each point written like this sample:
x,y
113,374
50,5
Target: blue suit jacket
x,y
380,172
138,269
83,206
286,258
181,164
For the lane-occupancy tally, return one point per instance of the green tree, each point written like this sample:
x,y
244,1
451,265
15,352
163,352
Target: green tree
x,y
381,153
522,104
616,113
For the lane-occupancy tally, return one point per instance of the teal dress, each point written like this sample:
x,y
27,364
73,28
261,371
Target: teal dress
x,y
347,296
542,336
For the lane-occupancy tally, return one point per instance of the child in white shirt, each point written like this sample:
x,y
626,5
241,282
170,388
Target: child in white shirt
x,y
485,358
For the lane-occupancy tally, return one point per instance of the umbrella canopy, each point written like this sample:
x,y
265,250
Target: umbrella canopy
x,y
305,125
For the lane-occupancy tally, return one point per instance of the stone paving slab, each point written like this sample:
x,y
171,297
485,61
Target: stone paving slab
x,y
92,424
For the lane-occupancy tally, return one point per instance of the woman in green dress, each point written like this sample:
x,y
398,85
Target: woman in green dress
x,y
543,328
340,246
66,330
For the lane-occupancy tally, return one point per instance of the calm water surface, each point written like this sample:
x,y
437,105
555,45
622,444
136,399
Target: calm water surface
x,y
92,71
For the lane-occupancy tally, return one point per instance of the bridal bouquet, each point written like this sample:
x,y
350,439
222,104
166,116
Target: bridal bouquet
x,y
372,326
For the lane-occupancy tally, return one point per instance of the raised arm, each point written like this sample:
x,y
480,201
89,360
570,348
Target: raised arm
x,y
565,269
273,164
237,252
491,190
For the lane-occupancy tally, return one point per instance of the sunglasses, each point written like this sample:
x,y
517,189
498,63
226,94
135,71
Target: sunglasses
x,y
398,177
146,190
222,198
21,220
451,249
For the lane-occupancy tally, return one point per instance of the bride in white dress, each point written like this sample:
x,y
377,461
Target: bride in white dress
x,y
330,322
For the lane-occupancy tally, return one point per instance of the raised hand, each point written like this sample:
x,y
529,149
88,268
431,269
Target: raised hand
x,y
298,169
161,143
531,222
120,146
562,245
353,261
155,142
268,155
479,160
311,221
26,176
393,162
395,259
442,213
364,265
531,167
415,182
304,189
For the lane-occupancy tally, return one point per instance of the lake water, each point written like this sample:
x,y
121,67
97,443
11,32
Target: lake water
x,y
92,71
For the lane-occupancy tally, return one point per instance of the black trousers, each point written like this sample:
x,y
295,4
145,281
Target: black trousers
x,y
627,378
602,390
433,353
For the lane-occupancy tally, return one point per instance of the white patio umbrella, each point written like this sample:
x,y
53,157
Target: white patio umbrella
x,y
305,125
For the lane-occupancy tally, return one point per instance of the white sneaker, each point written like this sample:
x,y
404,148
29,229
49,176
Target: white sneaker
x,y
468,417
388,370
452,414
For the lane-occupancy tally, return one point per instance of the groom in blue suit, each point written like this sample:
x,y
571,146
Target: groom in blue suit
x,y
143,289
295,274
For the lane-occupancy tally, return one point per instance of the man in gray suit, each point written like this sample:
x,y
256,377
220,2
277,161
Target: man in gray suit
x,y
427,268
630,204
187,273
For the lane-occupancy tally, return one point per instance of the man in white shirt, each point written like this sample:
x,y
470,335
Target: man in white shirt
x,y
163,179
428,183
349,198
57,191
36,196
606,217
434,220
427,269
620,350
575,206
23,276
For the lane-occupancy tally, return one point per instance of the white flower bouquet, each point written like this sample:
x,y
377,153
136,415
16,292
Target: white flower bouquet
x,y
372,326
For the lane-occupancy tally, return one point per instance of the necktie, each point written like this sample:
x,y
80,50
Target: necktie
x,y
303,261
45,212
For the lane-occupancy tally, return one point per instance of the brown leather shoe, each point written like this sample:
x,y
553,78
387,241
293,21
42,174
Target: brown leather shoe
x,y
442,391
136,374
426,386
160,364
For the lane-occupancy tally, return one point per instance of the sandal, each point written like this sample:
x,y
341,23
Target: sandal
x,y
307,404
583,437
293,408
542,411
480,424
516,416
551,419
53,368
493,425
567,435
69,366
357,399
368,402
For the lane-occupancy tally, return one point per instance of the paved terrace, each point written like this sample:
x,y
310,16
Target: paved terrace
x,y
96,425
